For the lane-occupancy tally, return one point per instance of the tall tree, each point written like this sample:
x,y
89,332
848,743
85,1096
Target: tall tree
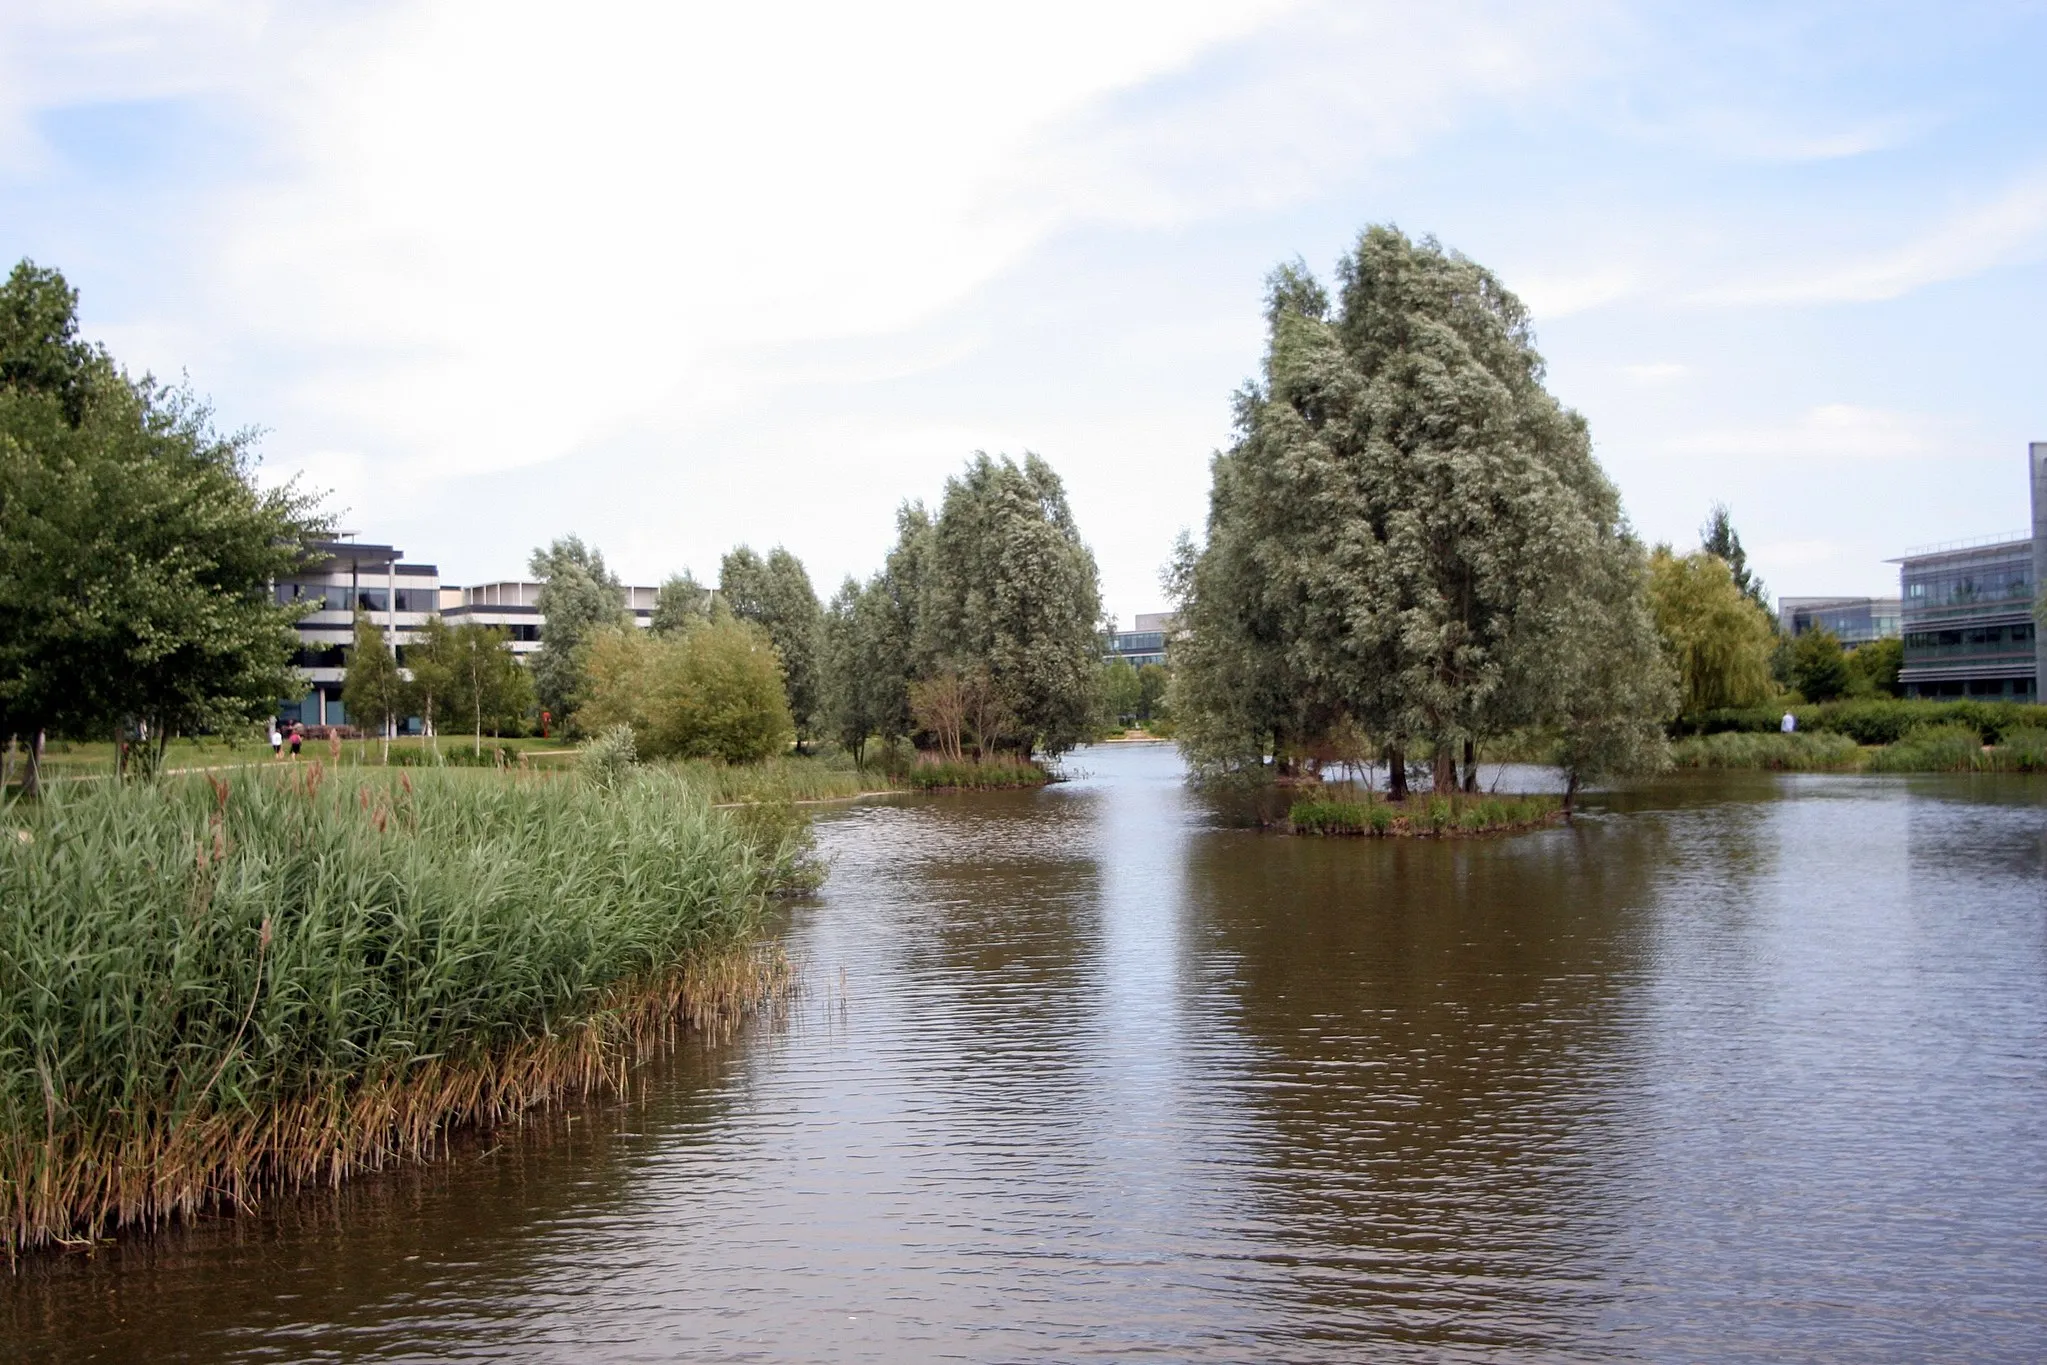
x,y
1401,529
1715,636
374,691
1718,537
136,551
467,675
681,604
775,594
1010,588
577,595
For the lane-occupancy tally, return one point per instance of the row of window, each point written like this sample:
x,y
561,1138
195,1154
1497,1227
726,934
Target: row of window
x,y
2015,688
2011,581
328,597
1978,640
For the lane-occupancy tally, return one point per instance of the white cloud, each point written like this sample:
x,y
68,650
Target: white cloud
x,y
1830,431
2009,228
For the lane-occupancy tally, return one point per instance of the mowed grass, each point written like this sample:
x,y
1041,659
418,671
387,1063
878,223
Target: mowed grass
x,y
215,987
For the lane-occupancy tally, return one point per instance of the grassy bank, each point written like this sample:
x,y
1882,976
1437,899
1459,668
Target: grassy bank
x,y
1431,816
1949,748
210,989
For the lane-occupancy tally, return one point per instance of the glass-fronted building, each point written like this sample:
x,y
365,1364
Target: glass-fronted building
x,y
1146,644
1968,621
1853,620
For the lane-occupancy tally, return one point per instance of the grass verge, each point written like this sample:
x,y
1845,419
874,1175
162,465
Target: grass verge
x,y
992,774
211,989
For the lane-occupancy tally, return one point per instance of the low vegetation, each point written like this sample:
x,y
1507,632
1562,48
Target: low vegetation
x,y
1950,747
1804,752
212,988
1426,816
993,773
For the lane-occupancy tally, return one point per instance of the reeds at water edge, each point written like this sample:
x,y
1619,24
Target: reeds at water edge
x,y
211,989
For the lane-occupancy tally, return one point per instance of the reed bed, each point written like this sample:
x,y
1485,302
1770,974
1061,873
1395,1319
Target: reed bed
x,y
986,774
1818,751
211,989
788,778
1950,747
1433,816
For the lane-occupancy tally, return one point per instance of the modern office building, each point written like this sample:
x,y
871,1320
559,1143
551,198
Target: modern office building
x,y
1853,620
343,576
1968,609
1145,643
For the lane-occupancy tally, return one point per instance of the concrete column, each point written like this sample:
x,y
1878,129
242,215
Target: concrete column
x,y
2038,452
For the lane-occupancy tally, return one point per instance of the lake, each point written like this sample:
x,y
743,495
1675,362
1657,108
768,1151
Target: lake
x,y
1743,1066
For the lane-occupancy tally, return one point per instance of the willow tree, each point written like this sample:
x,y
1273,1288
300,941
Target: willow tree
x,y
1404,535
578,596
775,594
1714,634
1009,592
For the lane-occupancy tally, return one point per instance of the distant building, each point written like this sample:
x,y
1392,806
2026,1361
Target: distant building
x,y
1853,620
343,576
1968,609
1145,644
514,607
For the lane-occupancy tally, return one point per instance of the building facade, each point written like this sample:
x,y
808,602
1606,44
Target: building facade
x,y
1853,620
1145,643
343,576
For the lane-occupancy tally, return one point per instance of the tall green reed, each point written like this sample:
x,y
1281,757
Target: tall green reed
x,y
223,985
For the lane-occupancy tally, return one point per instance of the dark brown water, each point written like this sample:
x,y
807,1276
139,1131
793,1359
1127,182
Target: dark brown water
x,y
1740,1068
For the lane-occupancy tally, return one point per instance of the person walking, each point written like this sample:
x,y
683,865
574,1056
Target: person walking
x,y
276,741
298,737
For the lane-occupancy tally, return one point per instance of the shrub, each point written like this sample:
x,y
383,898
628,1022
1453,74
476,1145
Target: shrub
x,y
610,758
2023,751
712,692
1950,748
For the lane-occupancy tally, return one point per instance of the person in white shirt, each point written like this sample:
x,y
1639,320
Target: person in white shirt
x,y
1789,723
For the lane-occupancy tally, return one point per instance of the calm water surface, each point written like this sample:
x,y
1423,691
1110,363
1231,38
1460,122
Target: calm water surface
x,y
1747,1067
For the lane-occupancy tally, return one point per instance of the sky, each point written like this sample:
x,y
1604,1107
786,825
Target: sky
x,y
676,277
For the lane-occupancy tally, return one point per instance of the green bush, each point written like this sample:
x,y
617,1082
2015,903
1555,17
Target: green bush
x,y
1872,720
1949,748
2023,751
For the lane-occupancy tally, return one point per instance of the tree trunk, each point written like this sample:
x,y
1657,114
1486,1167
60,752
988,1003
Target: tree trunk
x,y
1444,775
1470,764
1396,773
1571,796
32,774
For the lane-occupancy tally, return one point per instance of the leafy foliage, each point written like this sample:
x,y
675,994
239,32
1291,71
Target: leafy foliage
x,y
374,691
1718,640
137,551
1719,539
1409,535
715,692
578,596
775,594
1819,668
